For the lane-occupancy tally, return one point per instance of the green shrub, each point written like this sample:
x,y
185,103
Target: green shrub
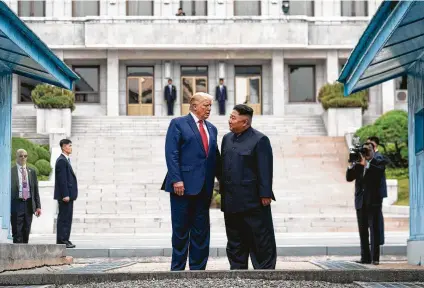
x,y
43,153
47,96
46,146
31,166
331,96
31,148
44,167
397,173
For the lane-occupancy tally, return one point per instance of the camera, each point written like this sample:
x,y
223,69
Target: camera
x,y
357,151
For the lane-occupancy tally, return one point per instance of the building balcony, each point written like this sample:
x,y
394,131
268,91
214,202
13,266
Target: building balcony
x,y
199,32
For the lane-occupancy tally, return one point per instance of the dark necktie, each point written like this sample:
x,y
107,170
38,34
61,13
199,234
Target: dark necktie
x,y
25,190
204,137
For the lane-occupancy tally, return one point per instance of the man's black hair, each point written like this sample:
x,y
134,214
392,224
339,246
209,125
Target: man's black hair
x,y
374,139
221,79
370,143
243,109
64,142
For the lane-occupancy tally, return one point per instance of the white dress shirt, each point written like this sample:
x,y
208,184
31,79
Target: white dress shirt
x,y
20,179
198,125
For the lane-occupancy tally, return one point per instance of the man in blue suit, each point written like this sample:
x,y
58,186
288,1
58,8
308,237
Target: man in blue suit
x,y
192,158
170,94
65,192
221,96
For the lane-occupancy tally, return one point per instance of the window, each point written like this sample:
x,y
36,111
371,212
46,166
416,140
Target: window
x,y
26,85
419,131
32,8
194,7
302,83
402,83
302,8
82,8
134,71
247,8
248,87
139,8
193,79
354,8
87,88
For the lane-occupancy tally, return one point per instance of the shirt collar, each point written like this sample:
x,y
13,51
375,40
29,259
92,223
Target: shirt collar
x,y
196,120
19,166
66,156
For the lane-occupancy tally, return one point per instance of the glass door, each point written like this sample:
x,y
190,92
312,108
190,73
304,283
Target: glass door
x,y
249,92
140,96
189,87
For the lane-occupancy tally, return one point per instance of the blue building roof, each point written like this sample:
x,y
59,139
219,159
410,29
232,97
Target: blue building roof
x,y
389,47
23,53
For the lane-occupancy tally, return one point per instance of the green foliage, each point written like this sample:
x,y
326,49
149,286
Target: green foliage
x,y
331,96
46,146
44,167
392,130
397,173
400,174
38,157
51,97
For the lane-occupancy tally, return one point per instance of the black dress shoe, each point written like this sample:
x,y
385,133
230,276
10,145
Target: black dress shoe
x,y
375,263
69,245
363,262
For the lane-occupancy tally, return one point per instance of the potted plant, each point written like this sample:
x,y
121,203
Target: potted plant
x,y
54,107
342,114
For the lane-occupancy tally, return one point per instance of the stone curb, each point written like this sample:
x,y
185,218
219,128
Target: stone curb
x,y
390,250
333,276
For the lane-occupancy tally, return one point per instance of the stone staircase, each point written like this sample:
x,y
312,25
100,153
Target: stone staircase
x,y
120,165
26,127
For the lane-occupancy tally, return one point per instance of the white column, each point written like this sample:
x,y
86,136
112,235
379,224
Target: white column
x,y
13,5
112,83
388,97
332,66
278,83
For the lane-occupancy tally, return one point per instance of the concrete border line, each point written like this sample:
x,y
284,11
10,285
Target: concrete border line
x,y
391,250
333,276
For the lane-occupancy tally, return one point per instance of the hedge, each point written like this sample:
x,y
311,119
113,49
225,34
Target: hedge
x,y
331,96
38,157
47,96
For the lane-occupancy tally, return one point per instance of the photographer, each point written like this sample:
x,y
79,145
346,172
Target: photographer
x,y
367,171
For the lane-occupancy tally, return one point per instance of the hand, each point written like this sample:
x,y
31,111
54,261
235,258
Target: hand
x,y
38,212
362,162
179,188
266,201
66,199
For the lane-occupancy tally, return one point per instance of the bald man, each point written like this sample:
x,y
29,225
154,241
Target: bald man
x,y
192,158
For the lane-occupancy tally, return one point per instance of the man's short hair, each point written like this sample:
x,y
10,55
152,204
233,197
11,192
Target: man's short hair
x,y
370,143
221,79
21,151
64,142
243,109
199,97
374,139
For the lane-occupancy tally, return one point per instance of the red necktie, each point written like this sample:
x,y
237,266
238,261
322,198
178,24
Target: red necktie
x,y
204,137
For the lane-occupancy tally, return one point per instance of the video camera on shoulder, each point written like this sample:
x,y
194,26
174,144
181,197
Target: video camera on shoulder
x,y
358,150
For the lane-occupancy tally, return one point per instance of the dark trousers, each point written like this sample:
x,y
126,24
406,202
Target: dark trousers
x,y
221,107
251,232
21,220
170,107
369,224
64,221
190,230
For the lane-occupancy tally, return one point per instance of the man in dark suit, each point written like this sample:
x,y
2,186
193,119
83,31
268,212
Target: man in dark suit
x,y
383,188
25,198
368,201
65,192
246,193
170,94
192,154
221,96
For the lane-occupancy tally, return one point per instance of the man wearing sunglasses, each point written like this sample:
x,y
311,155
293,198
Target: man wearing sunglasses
x,y
25,199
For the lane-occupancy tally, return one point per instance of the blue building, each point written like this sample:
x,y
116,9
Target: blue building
x,y
24,54
391,46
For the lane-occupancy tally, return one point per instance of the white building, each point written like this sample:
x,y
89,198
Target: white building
x,y
125,50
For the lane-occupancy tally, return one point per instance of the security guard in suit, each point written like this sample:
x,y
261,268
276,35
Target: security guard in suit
x,y
246,192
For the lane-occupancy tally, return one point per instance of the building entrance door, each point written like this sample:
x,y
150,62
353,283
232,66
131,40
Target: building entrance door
x,y
140,96
249,92
189,86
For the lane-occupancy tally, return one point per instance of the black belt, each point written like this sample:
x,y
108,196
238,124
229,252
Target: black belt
x,y
23,200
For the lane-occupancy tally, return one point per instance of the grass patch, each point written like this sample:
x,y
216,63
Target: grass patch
x,y
400,174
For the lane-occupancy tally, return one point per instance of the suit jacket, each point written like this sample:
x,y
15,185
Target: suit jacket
x,y
221,96
247,171
33,186
170,95
65,180
383,187
186,158
368,186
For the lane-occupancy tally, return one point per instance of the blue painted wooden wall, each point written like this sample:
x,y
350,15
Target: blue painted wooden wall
x,y
5,138
416,160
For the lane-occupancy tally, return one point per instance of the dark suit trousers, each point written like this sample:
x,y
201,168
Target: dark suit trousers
x,y
369,222
190,230
64,221
170,107
251,232
221,107
21,220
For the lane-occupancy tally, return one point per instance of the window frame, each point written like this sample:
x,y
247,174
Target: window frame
x,y
354,13
314,71
73,8
127,4
193,6
19,90
419,127
32,3
83,92
259,12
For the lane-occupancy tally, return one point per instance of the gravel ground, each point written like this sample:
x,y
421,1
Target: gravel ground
x,y
212,283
